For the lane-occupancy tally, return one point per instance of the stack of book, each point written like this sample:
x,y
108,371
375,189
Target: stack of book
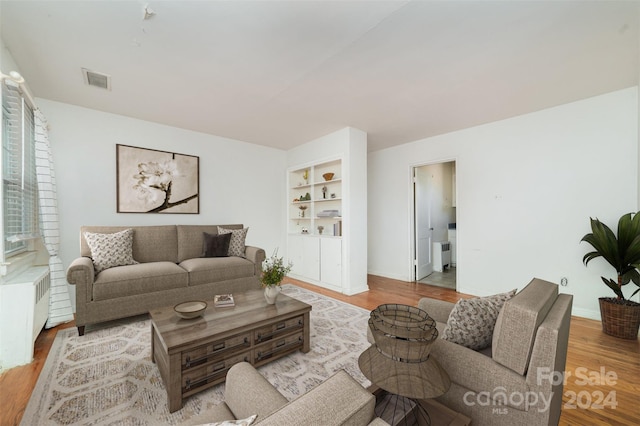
x,y
329,213
337,229
223,300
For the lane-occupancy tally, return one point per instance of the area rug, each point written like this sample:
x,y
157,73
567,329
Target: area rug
x,y
106,377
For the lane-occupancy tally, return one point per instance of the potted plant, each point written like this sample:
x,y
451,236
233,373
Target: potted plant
x,y
273,272
620,316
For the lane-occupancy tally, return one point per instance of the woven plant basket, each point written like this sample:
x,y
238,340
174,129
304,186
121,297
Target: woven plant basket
x,y
620,318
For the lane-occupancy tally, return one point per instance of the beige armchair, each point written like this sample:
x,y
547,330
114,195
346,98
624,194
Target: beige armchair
x,y
517,380
338,401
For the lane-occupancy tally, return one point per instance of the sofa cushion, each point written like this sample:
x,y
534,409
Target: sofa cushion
x,y
518,323
471,321
110,250
142,278
150,243
214,245
238,237
190,239
213,269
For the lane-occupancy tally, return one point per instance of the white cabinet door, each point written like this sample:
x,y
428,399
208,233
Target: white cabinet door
x,y
317,259
331,261
304,253
295,252
311,254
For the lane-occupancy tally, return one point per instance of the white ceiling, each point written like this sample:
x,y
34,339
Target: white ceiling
x,y
282,73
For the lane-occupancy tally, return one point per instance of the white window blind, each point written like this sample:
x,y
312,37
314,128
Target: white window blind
x,y
19,184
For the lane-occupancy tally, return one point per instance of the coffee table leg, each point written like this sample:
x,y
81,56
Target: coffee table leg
x,y
153,349
174,387
306,345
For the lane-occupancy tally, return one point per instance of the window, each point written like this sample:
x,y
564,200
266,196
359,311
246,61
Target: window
x,y
19,183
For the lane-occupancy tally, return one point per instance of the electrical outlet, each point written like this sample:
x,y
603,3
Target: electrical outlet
x,y
564,281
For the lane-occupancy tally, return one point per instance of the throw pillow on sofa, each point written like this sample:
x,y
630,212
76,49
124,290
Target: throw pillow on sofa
x,y
110,250
215,245
471,321
242,422
238,236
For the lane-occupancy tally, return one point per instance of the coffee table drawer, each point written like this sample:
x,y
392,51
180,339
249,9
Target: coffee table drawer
x,y
205,353
193,380
274,330
279,346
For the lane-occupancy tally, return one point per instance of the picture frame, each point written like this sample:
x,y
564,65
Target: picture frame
x,y
154,181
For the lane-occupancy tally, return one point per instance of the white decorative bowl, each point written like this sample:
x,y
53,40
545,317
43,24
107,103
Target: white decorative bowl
x,y
189,310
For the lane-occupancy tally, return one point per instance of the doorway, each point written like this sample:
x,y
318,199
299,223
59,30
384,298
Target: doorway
x,y
434,224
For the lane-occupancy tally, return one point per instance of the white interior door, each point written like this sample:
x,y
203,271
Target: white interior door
x,y
423,228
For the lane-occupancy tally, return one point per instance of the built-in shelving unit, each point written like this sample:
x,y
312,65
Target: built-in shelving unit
x,y
315,202
315,209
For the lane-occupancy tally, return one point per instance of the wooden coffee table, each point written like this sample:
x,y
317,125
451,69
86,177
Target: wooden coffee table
x,y
193,355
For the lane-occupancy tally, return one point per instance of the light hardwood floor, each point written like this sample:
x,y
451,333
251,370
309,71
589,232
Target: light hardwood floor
x,y
591,352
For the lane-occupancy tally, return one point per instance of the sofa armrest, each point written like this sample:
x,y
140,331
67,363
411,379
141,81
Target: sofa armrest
x,y
247,393
81,274
257,256
339,400
439,310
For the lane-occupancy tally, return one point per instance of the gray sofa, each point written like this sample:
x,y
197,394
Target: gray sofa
x,y
170,270
528,352
339,400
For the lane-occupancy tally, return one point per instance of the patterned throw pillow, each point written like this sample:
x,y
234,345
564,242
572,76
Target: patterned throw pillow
x,y
109,250
241,422
471,322
236,245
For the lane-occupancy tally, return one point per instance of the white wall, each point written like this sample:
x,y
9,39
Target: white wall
x,y
526,188
7,64
239,182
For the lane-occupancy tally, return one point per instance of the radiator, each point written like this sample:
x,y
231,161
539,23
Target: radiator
x,y
441,255
24,310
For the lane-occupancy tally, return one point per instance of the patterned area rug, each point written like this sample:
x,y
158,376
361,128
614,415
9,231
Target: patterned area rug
x,y
106,377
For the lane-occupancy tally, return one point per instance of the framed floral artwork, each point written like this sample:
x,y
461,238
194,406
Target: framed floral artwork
x,y
152,181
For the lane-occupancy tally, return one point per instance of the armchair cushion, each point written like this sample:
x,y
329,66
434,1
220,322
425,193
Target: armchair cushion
x,y
241,422
471,321
477,372
320,405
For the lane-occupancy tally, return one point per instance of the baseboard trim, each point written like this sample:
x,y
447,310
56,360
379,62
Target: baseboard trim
x,y
586,313
391,276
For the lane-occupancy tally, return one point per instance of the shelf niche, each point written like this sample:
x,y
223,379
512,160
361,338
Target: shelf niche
x,y
320,199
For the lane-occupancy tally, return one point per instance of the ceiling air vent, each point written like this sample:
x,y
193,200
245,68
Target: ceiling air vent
x,y
96,79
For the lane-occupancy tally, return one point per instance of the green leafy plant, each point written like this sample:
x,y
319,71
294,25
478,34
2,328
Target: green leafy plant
x,y
274,270
621,252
